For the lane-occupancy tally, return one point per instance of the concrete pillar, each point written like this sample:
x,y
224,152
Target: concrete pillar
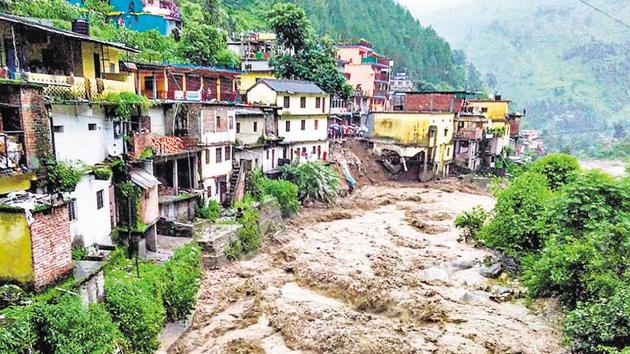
x,y
195,172
175,177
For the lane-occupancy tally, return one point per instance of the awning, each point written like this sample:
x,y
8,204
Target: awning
x,y
143,179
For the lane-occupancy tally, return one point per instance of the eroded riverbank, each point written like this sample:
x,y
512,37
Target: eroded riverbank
x,y
382,272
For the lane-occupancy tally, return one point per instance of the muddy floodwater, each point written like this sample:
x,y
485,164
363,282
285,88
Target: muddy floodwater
x,y
382,272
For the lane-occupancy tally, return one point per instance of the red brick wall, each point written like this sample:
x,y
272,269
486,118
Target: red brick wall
x,y
36,125
52,245
433,102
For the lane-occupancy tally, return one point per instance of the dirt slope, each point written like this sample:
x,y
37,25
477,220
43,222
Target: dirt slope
x,y
381,273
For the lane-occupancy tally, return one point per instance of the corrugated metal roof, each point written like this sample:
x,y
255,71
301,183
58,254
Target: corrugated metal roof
x,y
40,26
293,86
249,112
143,179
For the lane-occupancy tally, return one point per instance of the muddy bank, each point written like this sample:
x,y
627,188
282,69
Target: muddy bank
x,y
382,272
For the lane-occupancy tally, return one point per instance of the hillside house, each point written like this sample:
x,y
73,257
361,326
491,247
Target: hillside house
x,y
469,132
257,137
435,101
144,15
498,129
368,73
303,116
255,50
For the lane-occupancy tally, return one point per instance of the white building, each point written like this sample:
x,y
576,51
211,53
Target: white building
x,y
257,137
303,114
82,134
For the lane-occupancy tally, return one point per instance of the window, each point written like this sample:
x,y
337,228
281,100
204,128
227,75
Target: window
x,y
255,127
318,102
219,153
208,157
448,151
92,126
316,124
288,126
445,132
287,101
267,154
303,124
72,210
99,199
238,128
228,153
302,102
148,83
58,129
314,150
484,110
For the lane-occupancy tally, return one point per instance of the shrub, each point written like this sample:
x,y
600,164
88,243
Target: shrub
x,y
63,176
69,327
103,173
315,180
519,215
181,282
78,253
211,212
285,192
602,326
136,305
471,221
249,237
17,330
560,169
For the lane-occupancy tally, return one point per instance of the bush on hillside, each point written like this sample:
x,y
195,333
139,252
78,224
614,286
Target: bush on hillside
x,y
471,222
249,238
315,180
17,330
211,212
560,169
136,305
182,274
519,214
285,192
69,327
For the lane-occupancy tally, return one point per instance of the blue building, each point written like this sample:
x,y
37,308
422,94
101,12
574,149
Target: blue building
x,y
144,15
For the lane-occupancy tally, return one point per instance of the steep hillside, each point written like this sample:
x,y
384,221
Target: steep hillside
x,y
566,63
388,25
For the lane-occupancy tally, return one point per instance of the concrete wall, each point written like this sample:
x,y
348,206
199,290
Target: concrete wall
x,y
75,121
149,206
309,133
251,129
214,168
295,104
92,225
15,247
249,79
265,158
157,116
294,152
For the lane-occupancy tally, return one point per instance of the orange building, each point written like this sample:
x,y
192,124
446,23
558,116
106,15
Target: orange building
x,y
368,73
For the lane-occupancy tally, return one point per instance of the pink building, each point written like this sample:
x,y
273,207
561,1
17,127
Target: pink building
x,y
368,73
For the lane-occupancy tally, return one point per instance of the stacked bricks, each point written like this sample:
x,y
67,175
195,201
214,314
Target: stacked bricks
x,y
51,245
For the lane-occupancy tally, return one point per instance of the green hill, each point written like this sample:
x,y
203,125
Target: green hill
x,y
567,64
389,26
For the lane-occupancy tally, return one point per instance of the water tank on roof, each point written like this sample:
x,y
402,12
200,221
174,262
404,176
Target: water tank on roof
x,y
81,26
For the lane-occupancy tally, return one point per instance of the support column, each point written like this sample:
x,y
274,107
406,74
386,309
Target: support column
x,y
195,171
175,177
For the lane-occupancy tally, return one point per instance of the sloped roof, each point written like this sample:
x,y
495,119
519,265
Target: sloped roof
x,y
143,179
293,86
33,23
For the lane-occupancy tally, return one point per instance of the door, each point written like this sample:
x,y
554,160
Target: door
x,y
97,65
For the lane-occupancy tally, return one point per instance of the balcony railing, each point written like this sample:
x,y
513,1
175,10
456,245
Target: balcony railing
x,y
381,77
462,156
469,133
72,88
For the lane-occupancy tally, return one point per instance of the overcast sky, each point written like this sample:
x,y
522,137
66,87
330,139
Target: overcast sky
x,y
423,8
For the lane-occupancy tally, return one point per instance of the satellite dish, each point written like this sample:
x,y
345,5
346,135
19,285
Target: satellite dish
x,y
114,150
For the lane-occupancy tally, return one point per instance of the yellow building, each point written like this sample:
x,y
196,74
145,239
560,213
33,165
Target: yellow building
x,y
71,65
498,128
426,138
250,78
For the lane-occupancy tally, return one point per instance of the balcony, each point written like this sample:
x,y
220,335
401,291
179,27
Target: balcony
x,y
381,77
74,88
469,133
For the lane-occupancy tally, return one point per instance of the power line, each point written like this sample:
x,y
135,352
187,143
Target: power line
x,y
605,13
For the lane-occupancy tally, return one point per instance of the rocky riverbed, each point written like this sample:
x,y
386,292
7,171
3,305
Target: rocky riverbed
x,y
381,272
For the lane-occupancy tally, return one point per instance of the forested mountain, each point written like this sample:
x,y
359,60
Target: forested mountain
x,y
385,23
568,64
